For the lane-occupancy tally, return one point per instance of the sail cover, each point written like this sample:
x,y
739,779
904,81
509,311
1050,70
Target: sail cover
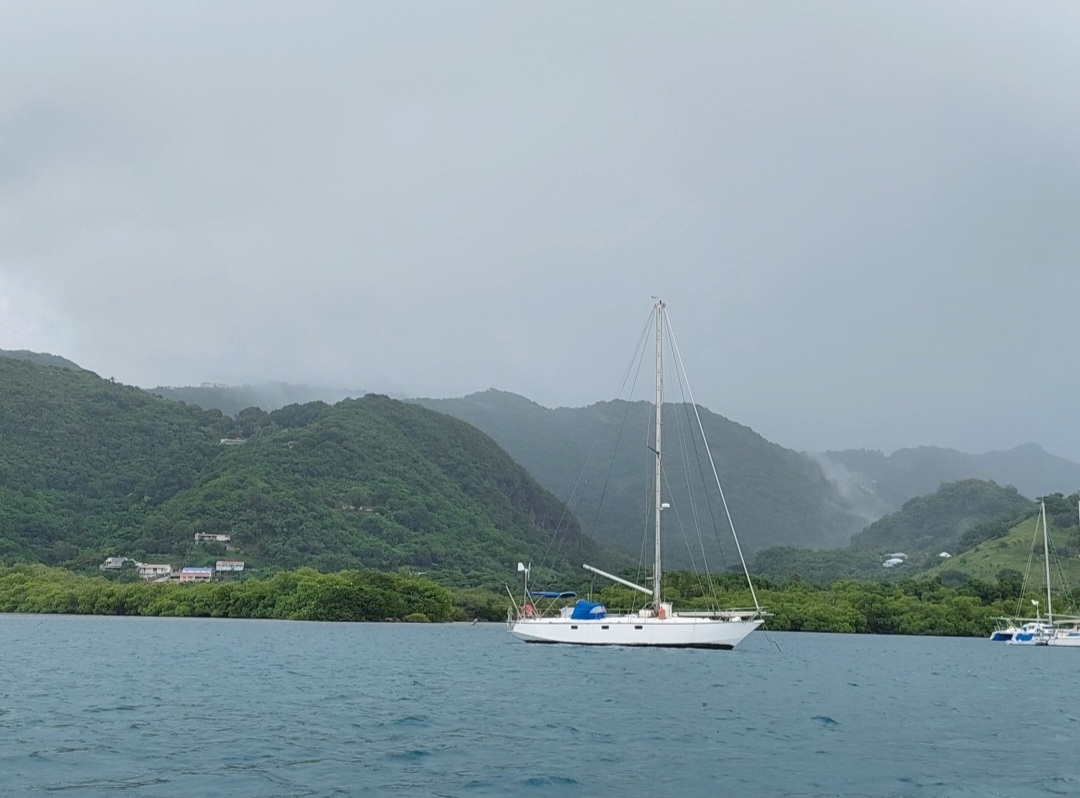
x,y
551,594
586,610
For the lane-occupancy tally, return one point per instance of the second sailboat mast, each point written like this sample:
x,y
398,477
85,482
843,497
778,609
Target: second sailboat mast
x,y
659,425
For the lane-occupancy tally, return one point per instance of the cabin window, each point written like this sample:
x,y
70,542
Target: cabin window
x,y
637,627
605,627
573,627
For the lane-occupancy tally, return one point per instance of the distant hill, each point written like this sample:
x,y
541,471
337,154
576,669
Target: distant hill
x,y
90,468
231,399
928,525
777,496
907,473
865,484
40,358
957,516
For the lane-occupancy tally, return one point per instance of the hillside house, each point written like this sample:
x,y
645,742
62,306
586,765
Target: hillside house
x,y
193,573
233,441
154,570
113,563
223,566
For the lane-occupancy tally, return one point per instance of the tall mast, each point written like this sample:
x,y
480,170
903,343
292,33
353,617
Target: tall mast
x,y
656,450
1046,555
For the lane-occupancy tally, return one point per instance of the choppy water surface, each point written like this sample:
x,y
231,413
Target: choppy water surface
x,y
176,707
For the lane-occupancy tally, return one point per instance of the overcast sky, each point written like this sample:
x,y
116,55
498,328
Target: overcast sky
x,y
864,217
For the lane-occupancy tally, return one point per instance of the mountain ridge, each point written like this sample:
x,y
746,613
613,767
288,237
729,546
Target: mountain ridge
x,y
776,495
918,471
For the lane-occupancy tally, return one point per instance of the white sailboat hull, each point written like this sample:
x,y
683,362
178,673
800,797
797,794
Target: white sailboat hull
x,y
633,630
1066,635
1070,639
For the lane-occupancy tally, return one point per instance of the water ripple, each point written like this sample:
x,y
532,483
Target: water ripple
x,y
266,708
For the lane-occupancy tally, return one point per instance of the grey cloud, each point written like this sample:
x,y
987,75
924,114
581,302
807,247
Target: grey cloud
x,y
862,215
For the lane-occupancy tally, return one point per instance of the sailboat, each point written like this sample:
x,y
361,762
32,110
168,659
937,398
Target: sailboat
x,y
657,624
1036,631
1067,633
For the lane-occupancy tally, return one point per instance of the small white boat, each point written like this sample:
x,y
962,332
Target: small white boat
x,y
588,623
1005,630
1033,633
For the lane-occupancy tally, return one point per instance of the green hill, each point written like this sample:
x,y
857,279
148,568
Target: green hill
x,y
41,358
777,496
90,468
955,518
1017,548
928,525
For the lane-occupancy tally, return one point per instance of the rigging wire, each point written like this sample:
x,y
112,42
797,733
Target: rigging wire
x,y
1027,572
716,476
683,384
630,372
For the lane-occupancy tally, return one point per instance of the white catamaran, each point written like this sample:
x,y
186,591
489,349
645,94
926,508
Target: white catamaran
x,y
588,623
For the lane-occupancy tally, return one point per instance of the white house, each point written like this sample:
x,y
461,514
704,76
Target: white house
x,y
892,562
154,570
113,563
228,565
233,441
193,573
944,555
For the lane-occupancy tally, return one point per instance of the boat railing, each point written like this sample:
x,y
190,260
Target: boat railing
x,y
742,613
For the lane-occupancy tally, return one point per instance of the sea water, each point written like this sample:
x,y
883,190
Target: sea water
x,y
193,707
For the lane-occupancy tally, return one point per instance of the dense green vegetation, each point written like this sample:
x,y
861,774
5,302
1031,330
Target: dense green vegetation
x,y
90,468
910,607
777,496
819,567
302,595
84,461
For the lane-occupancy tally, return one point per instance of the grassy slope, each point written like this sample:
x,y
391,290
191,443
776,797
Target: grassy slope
x,y
1014,551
